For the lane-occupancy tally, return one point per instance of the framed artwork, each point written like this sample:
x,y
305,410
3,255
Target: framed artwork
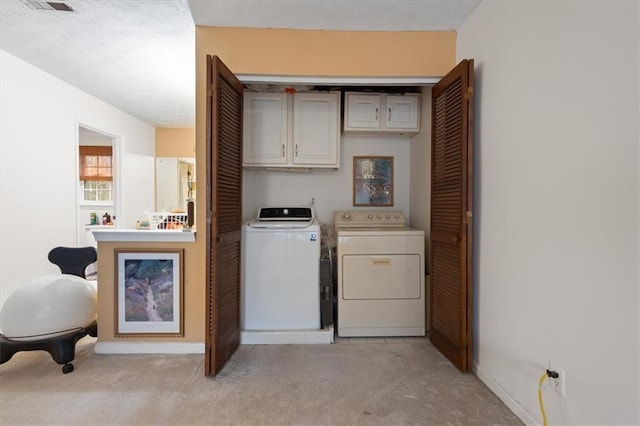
x,y
372,181
149,292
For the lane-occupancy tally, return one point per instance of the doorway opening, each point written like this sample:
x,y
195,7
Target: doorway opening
x,y
96,183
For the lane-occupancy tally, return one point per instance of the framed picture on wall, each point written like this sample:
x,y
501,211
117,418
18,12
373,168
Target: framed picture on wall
x,y
149,292
372,181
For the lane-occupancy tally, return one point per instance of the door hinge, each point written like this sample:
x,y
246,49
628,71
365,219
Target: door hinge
x,y
468,93
467,217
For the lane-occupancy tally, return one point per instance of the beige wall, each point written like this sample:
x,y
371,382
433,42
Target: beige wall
x,y
278,52
175,142
329,53
193,307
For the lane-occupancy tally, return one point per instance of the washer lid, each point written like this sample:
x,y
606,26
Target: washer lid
x,y
299,225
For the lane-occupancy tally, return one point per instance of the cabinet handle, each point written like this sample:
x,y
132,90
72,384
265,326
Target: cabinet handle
x,y
389,114
376,114
283,150
296,153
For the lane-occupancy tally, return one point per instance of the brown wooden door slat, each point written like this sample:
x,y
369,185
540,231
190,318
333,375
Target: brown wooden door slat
x,y
451,199
224,213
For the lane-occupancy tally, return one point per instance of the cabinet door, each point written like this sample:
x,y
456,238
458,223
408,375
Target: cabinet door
x,y
402,113
362,111
316,131
265,129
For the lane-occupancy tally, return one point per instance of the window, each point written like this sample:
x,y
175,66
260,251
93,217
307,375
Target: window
x,y
96,173
95,190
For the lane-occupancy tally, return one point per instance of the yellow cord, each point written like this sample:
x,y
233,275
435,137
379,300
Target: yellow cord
x,y
540,401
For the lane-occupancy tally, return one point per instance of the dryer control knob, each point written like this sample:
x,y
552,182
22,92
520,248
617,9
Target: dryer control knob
x,y
396,216
347,217
370,216
285,212
379,216
388,216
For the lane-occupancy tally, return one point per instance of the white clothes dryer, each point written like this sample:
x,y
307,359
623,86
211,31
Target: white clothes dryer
x,y
381,268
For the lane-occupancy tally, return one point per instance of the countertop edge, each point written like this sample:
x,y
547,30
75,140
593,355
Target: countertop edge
x,y
144,235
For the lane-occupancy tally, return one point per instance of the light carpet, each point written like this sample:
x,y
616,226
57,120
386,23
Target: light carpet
x,y
395,382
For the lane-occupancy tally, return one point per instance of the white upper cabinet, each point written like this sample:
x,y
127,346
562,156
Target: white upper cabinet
x,y
382,113
292,130
362,112
402,113
265,128
316,129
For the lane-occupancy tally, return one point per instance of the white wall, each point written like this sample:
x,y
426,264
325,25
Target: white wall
x,y
556,207
420,170
638,121
39,116
332,189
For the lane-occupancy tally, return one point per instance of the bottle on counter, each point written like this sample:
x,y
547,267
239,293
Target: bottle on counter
x,y
106,219
94,219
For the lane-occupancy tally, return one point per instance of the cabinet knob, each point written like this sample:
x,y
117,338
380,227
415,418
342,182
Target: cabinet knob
x,y
389,113
296,153
282,150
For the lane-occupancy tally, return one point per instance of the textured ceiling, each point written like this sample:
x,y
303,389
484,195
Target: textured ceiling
x,y
138,55
357,15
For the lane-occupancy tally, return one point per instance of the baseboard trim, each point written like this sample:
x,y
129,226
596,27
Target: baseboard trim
x,y
148,348
286,337
504,396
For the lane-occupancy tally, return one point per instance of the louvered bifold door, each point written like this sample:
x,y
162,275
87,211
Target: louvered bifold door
x,y
451,218
224,214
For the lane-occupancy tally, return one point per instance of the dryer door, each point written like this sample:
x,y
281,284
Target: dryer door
x,y
376,277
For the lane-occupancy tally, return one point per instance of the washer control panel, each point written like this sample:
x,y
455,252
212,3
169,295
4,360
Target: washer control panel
x,y
369,219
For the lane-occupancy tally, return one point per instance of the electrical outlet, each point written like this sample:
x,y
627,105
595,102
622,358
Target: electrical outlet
x,y
559,383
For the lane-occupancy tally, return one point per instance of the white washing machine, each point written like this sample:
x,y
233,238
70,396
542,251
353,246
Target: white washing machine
x,y
280,285
381,267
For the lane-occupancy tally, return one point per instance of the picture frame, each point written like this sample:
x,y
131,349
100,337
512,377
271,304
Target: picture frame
x,y
372,181
149,293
